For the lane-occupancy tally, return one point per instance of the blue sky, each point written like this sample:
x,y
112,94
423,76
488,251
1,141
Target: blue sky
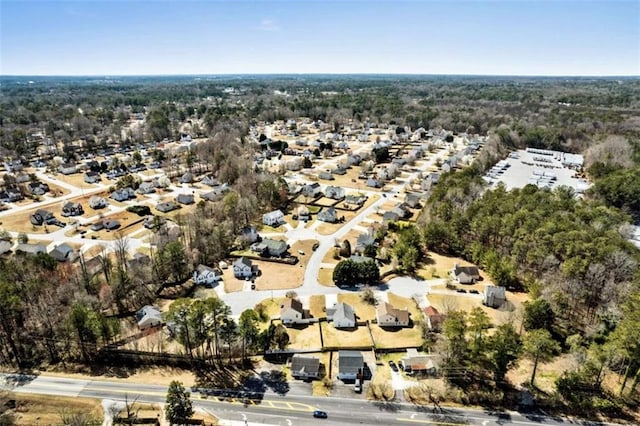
x,y
515,37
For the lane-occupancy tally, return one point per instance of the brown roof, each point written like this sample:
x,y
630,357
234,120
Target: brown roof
x,y
430,310
401,315
294,304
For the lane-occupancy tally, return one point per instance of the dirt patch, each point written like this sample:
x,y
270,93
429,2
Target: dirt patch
x,y
334,337
44,409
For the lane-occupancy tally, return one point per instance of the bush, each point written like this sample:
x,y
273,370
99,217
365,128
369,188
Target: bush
x,y
140,210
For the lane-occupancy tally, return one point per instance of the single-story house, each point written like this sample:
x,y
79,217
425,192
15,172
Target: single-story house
x,y
434,319
167,206
305,367
328,215
270,247
185,199
494,296
339,171
465,274
72,209
350,365
334,192
342,315
243,268
206,275
275,217
291,312
92,177
388,316
148,317
62,253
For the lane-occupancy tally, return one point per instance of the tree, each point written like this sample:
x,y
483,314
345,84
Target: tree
x,y
281,337
345,249
538,314
228,333
179,407
504,348
479,323
455,330
539,346
349,272
248,327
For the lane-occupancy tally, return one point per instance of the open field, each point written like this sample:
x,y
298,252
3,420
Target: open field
x,y
363,310
46,410
397,338
337,338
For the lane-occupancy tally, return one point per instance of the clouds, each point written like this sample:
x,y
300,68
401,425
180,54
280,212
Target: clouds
x,y
268,25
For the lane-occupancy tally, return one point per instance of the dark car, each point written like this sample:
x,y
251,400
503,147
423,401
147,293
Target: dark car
x,y
253,286
461,290
393,366
474,291
320,414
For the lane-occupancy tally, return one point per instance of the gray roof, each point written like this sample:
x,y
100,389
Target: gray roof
x,y
303,364
344,311
243,261
349,362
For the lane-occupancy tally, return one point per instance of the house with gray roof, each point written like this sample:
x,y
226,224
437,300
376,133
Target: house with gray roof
x,y
465,274
342,315
328,215
270,247
305,367
334,192
494,296
350,365
244,268
148,317
62,252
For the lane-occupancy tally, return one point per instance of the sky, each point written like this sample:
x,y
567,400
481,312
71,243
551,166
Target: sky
x,y
165,37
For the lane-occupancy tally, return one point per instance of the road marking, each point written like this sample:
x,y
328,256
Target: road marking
x,y
429,422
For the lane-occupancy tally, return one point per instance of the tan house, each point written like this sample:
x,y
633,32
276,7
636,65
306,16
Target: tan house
x,y
291,312
388,316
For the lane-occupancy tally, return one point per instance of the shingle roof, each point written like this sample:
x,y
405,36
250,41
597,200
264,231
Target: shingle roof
x,y
302,364
344,311
350,362
294,304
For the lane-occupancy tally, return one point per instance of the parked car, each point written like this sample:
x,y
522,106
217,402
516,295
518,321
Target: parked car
x,y
320,414
474,291
253,286
393,366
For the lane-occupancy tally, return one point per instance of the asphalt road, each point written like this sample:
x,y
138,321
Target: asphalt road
x,y
270,408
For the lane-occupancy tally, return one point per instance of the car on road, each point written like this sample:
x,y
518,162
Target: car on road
x,y
393,366
461,290
320,414
474,291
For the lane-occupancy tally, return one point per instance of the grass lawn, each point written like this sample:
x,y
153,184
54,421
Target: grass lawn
x,y
397,338
438,266
334,337
280,276
304,337
44,409
445,303
325,277
270,229
364,311
272,306
317,306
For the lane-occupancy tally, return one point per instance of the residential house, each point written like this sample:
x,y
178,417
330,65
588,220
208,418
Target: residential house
x,y
419,363
273,218
185,199
5,247
96,202
41,217
92,177
72,209
364,240
123,194
305,367
167,206
465,274
13,166
38,188
328,215
148,317
355,199
342,315
412,200
186,178
312,190
334,192
434,319
291,312
400,211
31,248
205,275
494,296
430,181
210,180
146,188
11,195
68,168
98,226
373,183
153,222
110,225
390,216
22,177
62,252
339,171
243,268
270,247
303,213
326,176
350,365
388,316
249,234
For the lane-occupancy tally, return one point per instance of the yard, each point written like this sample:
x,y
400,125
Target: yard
x,y
325,277
438,266
445,303
400,338
363,310
304,336
334,337
317,306
34,409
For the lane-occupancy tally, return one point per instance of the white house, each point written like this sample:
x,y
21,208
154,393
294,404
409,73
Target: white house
x,y
275,217
205,275
494,296
147,317
243,268
291,312
342,315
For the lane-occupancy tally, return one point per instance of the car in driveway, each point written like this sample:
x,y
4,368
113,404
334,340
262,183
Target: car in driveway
x,y
393,366
320,414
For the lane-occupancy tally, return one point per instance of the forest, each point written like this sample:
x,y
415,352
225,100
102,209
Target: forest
x,y
570,254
